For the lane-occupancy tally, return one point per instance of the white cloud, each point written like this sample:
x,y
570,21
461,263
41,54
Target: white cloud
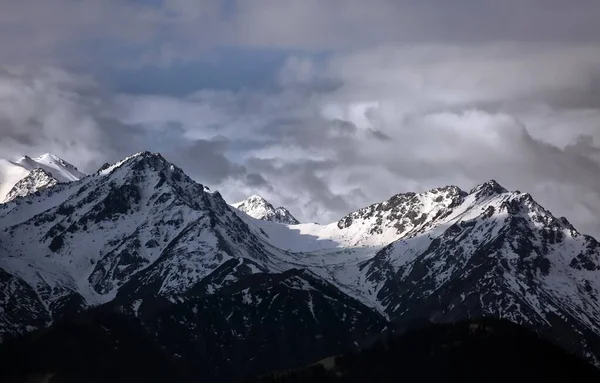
x,y
49,111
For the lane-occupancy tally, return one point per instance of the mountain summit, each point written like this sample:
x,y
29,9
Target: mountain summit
x,y
258,207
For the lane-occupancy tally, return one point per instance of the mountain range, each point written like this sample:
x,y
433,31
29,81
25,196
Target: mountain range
x,y
216,286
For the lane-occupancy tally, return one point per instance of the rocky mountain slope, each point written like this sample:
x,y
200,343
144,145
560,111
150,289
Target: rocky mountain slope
x,y
259,208
208,282
142,238
447,254
28,175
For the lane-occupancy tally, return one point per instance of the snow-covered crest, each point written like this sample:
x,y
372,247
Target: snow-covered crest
x,y
60,169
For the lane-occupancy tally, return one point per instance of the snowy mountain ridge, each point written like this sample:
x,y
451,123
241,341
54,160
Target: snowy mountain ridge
x,y
59,168
142,236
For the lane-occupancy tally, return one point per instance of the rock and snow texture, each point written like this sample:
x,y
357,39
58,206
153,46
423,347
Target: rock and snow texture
x,y
10,174
259,208
59,168
142,235
28,175
37,180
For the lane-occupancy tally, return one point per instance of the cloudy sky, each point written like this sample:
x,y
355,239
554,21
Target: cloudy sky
x,y
322,106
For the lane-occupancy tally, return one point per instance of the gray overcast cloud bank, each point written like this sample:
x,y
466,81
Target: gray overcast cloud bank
x,y
439,95
171,30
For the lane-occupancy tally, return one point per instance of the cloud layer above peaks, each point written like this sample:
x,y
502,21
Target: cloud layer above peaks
x,y
319,106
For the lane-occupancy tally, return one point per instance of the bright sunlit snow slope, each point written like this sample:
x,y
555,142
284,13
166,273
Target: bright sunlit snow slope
x,y
59,168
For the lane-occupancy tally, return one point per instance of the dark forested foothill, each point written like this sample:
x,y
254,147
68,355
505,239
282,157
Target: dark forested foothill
x,y
103,348
486,350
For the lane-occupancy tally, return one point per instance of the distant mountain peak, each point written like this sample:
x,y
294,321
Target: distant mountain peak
x,y
38,179
256,200
258,207
44,159
21,176
48,156
488,189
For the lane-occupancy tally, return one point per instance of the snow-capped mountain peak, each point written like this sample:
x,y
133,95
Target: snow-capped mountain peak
x,y
10,174
55,170
60,169
38,179
65,169
254,203
488,189
258,207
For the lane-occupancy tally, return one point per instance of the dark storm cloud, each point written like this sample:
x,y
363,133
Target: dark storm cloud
x,y
40,110
205,160
352,23
66,115
9,130
379,135
161,33
309,131
256,180
585,146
